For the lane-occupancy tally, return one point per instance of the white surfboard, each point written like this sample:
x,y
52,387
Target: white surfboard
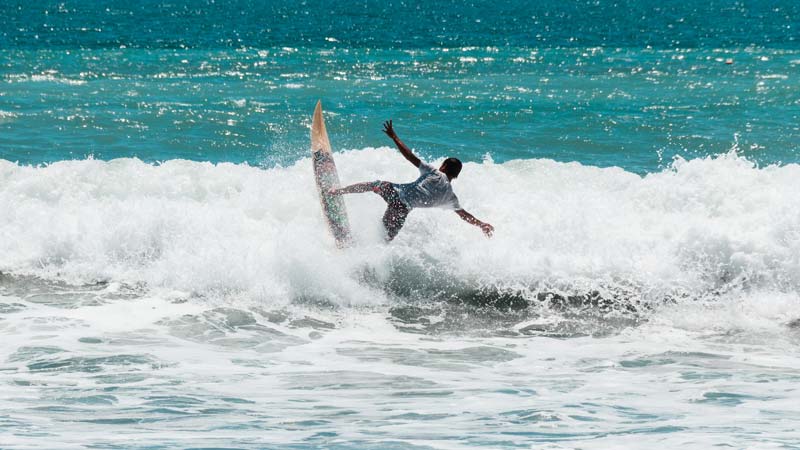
x,y
333,206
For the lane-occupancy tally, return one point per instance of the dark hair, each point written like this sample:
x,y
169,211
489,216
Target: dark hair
x,y
452,167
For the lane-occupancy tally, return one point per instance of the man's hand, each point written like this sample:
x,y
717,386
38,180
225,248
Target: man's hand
x,y
472,220
387,128
487,229
407,153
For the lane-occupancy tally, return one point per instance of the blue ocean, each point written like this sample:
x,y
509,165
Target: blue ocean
x,y
167,279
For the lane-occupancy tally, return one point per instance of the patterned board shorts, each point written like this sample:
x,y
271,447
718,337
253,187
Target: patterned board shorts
x,y
396,210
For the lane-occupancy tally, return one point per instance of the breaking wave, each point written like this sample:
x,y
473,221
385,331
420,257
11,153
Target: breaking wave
x,y
567,235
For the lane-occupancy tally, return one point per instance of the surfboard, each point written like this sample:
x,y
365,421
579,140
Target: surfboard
x,y
333,207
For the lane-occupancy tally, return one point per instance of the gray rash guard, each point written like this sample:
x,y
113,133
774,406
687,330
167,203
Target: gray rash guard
x,y
431,190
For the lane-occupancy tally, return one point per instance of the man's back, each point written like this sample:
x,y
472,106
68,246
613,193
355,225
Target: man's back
x,y
431,190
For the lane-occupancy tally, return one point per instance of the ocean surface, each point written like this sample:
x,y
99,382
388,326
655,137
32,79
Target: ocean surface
x,y
167,281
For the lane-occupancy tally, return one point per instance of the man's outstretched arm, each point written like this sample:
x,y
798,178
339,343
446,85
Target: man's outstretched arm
x,y
409,155
472,220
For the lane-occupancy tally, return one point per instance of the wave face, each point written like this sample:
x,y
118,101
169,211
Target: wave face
x,y
703,229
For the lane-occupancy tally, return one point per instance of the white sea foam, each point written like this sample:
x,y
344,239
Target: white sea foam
x,y
7,116
701,228
703,369
45,77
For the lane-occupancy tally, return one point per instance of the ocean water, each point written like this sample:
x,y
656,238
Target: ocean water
x,y
166,279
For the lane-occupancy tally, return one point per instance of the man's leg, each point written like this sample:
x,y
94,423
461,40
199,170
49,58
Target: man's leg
x,y
393,219
369,186
396,211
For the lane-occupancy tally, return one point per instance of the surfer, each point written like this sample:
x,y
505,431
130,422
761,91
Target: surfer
x,y
431,190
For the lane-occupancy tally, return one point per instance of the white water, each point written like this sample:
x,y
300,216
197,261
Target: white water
x,y
224,315
199,227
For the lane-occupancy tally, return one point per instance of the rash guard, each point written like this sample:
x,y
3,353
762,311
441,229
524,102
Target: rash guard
x,y
431,190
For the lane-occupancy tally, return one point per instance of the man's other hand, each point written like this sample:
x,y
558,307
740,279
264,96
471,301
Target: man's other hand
x,y
487,229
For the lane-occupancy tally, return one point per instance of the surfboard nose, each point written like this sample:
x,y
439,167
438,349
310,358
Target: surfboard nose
x,y
319,135
317,118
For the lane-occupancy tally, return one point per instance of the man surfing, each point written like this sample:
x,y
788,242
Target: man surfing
x,y
431,190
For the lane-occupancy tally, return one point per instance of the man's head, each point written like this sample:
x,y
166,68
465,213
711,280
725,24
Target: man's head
x,y
451,167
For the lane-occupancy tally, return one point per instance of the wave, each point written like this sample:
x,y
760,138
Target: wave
x,y
567,235
45,77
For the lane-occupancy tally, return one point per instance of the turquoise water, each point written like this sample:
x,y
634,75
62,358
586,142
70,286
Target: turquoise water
x,y
166,280
581,82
